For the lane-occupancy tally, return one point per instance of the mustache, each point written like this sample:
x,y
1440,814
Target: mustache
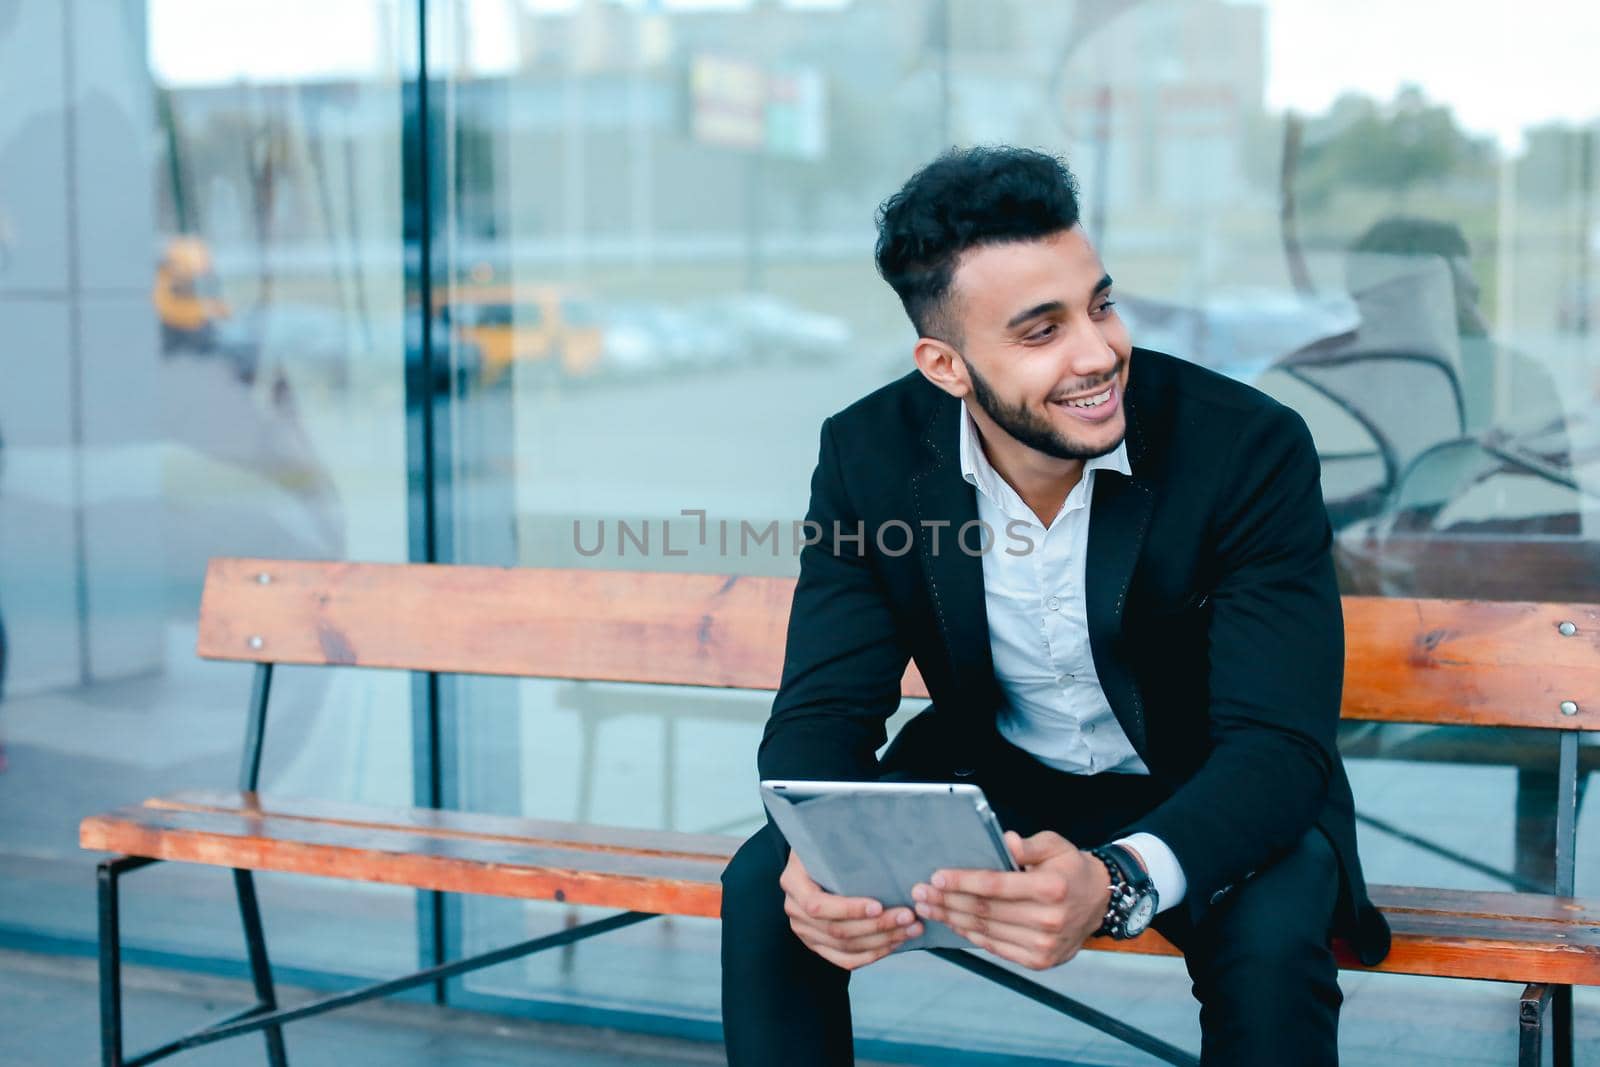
x,y
1092,383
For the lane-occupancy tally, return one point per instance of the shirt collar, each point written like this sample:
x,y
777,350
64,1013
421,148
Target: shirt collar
x,y
978,471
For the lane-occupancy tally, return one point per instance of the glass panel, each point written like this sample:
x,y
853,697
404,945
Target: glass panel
x,y
201,286
677,246
673,202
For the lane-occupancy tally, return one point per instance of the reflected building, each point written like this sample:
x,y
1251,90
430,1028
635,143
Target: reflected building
x,y
618,272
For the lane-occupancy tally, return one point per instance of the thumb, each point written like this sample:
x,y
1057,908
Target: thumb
x,y
1016,846
1040,847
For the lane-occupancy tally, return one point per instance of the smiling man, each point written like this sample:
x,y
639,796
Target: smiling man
x,y
1122,601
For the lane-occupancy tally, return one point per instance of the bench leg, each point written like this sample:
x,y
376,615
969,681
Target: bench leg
x,y
1561,1026
260,968
107,872
1530,1025
110,967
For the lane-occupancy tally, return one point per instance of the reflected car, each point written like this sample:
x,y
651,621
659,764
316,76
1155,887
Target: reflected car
x,y
641,338
771,328
549,327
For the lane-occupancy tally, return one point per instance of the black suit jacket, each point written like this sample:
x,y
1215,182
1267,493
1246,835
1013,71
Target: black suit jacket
x,y
1214,617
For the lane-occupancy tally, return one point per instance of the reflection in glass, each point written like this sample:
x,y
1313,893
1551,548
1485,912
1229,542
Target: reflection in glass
x,y
659,232
653,280
201,283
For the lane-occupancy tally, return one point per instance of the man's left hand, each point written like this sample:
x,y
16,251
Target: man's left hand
x,y
1039,916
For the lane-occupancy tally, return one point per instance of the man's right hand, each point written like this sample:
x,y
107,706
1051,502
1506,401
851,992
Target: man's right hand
x,y
848,932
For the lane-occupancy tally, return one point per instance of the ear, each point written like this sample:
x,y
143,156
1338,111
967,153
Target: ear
x,y
942,365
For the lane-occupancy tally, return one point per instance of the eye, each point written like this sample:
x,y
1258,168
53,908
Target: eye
x,y
1105,306
1043,333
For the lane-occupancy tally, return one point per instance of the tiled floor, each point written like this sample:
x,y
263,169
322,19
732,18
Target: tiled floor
x,y
48,1018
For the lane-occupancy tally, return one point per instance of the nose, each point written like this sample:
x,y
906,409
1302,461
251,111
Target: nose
x,y
1090,355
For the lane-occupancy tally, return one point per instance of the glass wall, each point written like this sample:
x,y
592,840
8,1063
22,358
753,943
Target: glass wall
x,y
659,226
201,287
649,230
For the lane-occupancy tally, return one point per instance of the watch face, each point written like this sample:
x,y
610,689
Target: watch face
x,y
1143,911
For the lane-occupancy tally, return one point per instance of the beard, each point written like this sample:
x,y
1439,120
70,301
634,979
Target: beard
x,y
1033,429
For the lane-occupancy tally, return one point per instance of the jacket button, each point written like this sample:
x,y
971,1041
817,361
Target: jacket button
x,y
963,772
1216,898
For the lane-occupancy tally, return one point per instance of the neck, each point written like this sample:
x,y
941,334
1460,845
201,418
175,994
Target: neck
x,y
1042,481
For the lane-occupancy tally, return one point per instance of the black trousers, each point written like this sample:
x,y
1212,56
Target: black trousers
x,y
1260,961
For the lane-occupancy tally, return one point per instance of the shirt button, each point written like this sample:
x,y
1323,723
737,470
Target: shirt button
x,y
1089,729
1054,603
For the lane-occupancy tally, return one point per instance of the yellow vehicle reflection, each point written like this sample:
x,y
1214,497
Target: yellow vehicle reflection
x,y
552,326
187,296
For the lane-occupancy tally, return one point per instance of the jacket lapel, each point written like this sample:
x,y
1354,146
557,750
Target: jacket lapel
x,y
941,495
1119,516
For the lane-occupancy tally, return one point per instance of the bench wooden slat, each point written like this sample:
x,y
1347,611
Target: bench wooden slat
x,y
719,848
623,626
475,826
1429,661
1530,908
1496,936
405,856
1488,949
1471,662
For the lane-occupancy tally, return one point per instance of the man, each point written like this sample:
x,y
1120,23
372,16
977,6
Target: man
x,y
1147,654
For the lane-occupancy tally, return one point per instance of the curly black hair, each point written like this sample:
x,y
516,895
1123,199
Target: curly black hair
x,y
966,197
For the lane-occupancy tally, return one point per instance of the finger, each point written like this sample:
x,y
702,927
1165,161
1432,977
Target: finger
x,y
826,936
895,918
825,905
1031,960
798,883
1042,846
850,961
795,878
1021,936
1015,846
1044,917
1001,885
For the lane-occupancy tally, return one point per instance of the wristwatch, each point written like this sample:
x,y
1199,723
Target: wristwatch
x,y
1133,894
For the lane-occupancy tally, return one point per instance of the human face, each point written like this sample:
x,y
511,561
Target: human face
x,y
1045,354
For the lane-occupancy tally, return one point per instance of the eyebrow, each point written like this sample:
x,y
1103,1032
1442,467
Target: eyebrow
x,y
1050,306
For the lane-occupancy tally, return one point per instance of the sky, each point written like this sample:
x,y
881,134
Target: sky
x,y
1500,64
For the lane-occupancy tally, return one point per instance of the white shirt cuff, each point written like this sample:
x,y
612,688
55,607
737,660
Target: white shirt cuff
x,y
1170,883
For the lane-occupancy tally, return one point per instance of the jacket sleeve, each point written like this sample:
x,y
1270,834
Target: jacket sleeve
x,y
844,657
1276,668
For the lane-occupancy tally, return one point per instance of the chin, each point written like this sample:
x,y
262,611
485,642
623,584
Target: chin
x,y
1099,439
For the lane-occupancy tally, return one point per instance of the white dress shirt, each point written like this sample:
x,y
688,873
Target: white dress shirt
x,y
1039,636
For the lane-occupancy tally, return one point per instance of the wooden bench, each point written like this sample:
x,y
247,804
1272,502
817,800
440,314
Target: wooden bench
x,y
1414,661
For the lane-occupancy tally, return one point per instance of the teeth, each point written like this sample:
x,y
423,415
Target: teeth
x,y
1090,401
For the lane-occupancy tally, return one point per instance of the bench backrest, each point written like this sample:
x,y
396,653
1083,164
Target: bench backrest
x,y
1422,661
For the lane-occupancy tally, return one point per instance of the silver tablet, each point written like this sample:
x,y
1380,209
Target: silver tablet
x,y
878,839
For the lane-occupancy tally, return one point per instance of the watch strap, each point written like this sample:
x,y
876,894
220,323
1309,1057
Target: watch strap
x,y
1130,883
